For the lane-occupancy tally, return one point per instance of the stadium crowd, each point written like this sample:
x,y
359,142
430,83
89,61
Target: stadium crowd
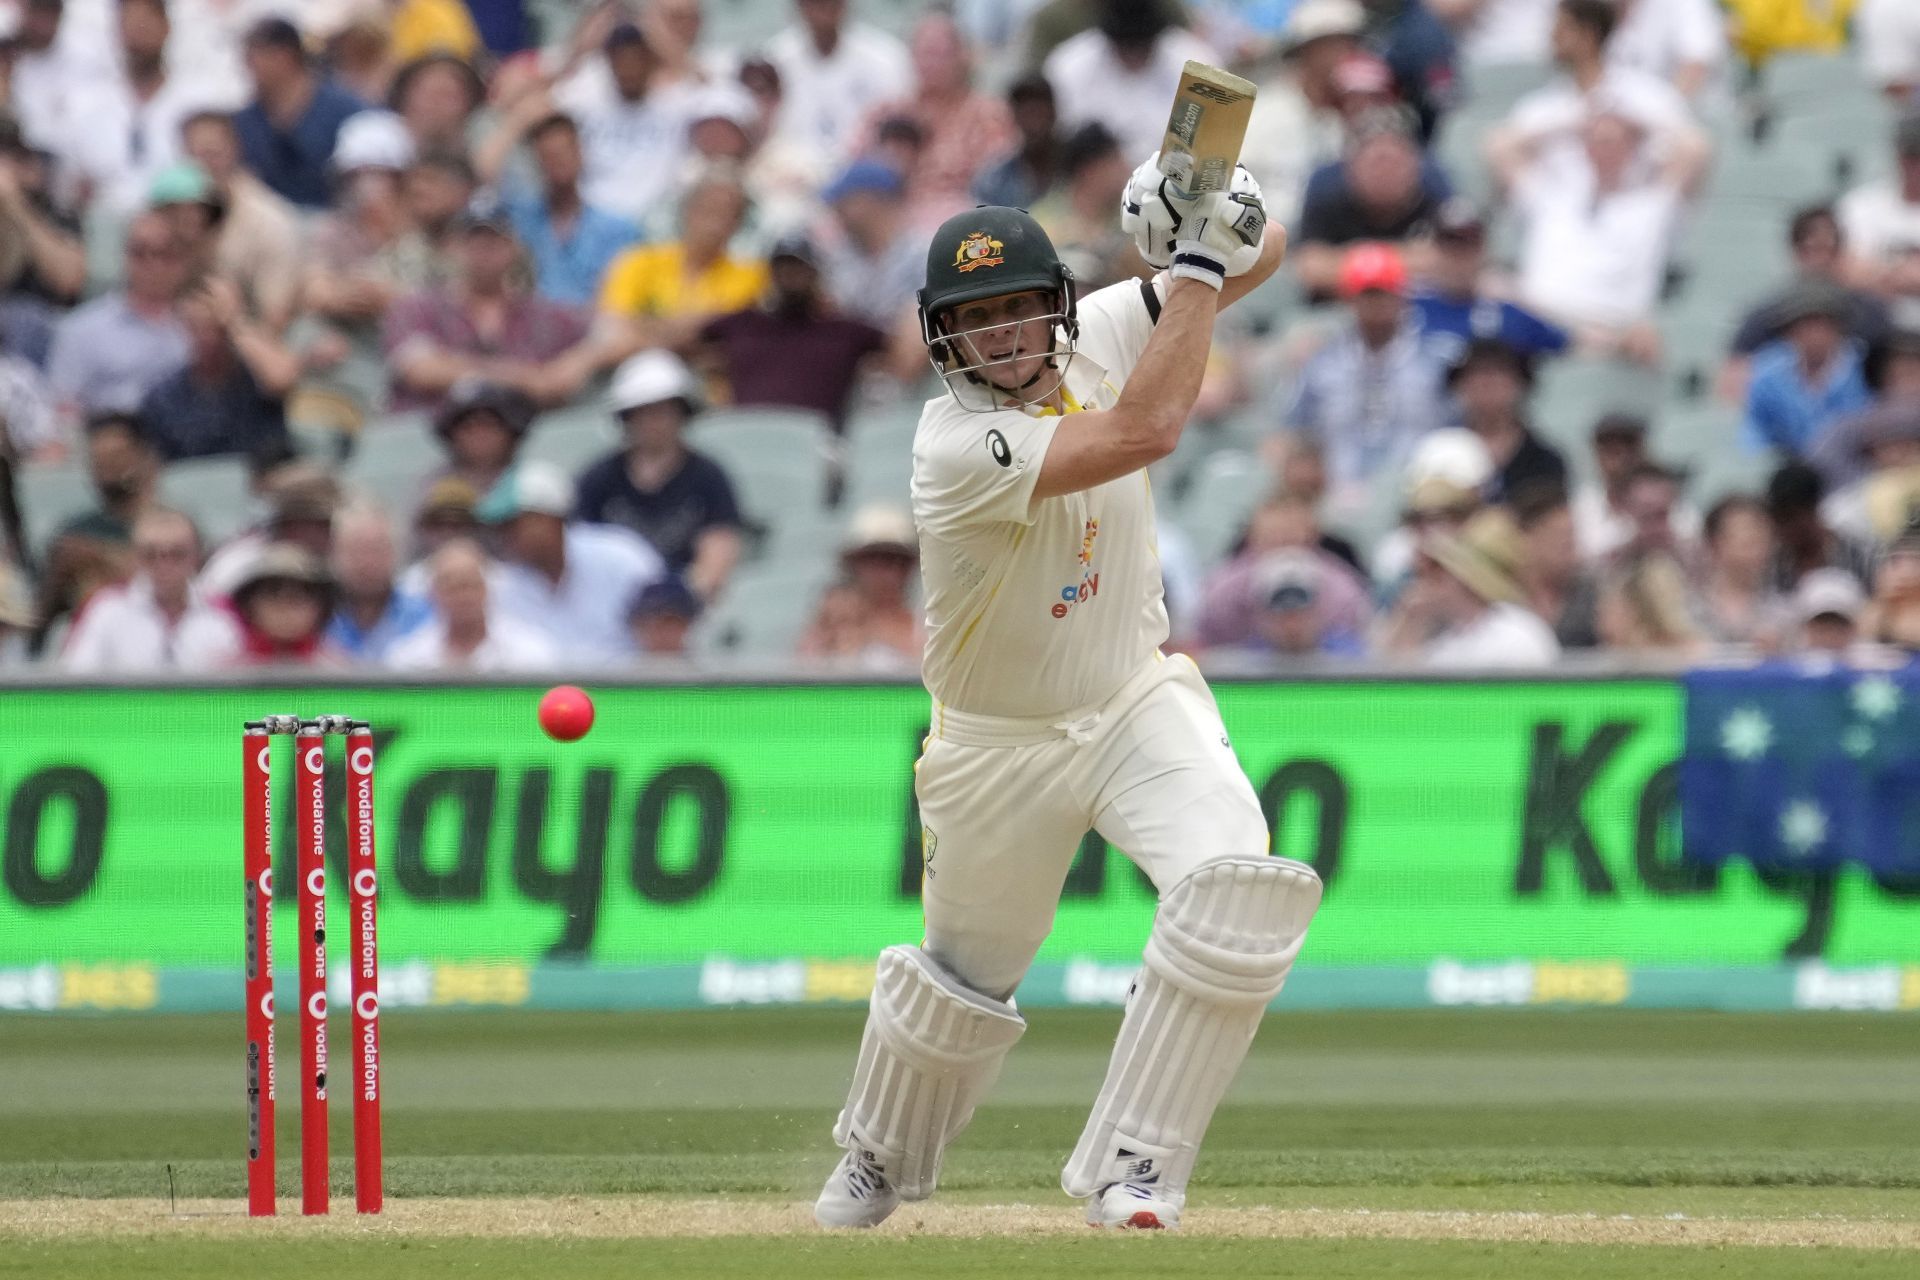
x,y
1600,329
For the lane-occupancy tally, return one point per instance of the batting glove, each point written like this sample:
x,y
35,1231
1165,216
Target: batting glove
x,y
1219,229
1147,215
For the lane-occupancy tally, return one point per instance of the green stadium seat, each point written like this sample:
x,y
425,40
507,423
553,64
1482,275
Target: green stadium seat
x,y
781,462
392,458
1494,89
1574,391
880,463
1224,492
573,438
1777,176
1853,139
763,610
50,496
214,492
1795,77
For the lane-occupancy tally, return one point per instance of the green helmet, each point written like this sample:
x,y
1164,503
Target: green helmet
x,y
984,253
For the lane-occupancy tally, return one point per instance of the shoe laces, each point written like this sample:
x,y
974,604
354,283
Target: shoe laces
x,y
865,1174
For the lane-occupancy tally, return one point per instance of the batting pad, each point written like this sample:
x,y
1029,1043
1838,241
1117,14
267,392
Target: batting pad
x,y
1222,944
931,1049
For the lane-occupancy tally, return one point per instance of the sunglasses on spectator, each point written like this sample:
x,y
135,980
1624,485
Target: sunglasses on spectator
x,y
164,551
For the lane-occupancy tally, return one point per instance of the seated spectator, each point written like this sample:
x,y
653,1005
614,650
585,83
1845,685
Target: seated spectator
x,y
876,622
300,499
661,619
1895,615
1885,484
1827,609
95,548
1235,594
1452,306
367,253
1808,379
961,128
1881,219
184,195
1598,227
426,26
481,424
1464,609
1375,387
1303,477
1297,125
159,616
1803,539
356,42
570,241
1735,601
436,96
1498,33
1443,487
1024,174
633,133
1644,608
678,500
373,613
665,292
1383,189
1819,256
1122,71
1651,497
794,350
1891,368
17,618
43,262
1600,510
230,395
1490,382
288,131
260,242
878,262
29,427
673,30
467,631
1887,34
1078,215
47,65
1555,583
832,74
438,188
1683,42
110,352
570,580
283,601
1763,28
1296,610
487,324
1419,50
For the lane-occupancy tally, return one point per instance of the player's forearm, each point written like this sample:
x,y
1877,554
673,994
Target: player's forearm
x,y
1162,388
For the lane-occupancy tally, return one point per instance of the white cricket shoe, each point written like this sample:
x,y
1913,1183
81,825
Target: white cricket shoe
x,y
1132,1205
857,1193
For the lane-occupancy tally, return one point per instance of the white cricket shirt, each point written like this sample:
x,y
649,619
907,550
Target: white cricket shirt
x,y
1047,605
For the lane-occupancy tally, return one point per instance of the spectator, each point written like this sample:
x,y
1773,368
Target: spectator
x,y
1896,592
1803,539
1381,191
1289,620
1303,477
229,396
1684,42
1599,227
184,195
1451,304
1885,492
665,292
481,425
132,113
1494,33
1600,511
300,499
1464,609
572,581
426,26
1828,605
1808,379
677,499
366,253
794,350
1123,71
879,263
109,353
673,29
373,612
51,70
784,171
436,96
1297,126
570,241
1644,608
1881,219
1762,28
1419,50
726,131
283,600
1237,593
356,44
1652,496
877,627
833,73
961,127
1490,382
467,630
1078,214
633,133
17,618
487,325
662,619
159,617
260,240
1375,387
29,427
1819,256
437,189
287,133
1555,583
1735,600
446,512
1887,34
1443,487
43,264
1019,178
95,548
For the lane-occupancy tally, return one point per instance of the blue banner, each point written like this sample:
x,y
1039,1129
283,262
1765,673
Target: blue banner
x,y
1803,768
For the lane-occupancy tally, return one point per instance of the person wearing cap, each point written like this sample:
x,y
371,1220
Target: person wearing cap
x,y
468,630
1820,256
1375,386
1465,609
1827,609
300,499
260,243
366,253
373,611
1881,218
447,511
1601,509
283,600
1123,70
487,324
677,499
874,262
1383,190
633,130
570,241
1808,379
184,194
661,294
109,352
661,618
793,349
1490,382
1887,35
878,560
1232,597
287,132
566,578
833,72
1296,125
1883,488
1443,485
158,617
481,424
1450,300
230,395
1293,619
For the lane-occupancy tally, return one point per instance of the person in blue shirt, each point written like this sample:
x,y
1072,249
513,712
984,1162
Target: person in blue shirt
x,y
372,610
1420,50
570,241
1454,312
287,132
1808,379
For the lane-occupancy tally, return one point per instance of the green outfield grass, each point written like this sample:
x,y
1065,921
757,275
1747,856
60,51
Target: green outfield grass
x,y
1750,1118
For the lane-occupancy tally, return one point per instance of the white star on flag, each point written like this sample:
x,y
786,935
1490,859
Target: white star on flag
x,y
1857,741
1746,734
1875,697
1803,827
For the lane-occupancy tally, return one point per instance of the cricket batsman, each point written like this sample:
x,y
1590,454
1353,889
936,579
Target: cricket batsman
x,y
1054,710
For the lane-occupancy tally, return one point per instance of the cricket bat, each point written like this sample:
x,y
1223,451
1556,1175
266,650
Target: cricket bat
x,y
1206,128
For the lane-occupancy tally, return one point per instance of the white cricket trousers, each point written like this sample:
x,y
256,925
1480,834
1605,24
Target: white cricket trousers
x,y
1005,802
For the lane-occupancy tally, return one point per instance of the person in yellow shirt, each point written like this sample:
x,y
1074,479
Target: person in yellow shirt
x,y
432,26
1762,28
666,292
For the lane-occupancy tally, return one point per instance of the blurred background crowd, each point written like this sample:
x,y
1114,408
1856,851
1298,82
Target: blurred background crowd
x,y
502,335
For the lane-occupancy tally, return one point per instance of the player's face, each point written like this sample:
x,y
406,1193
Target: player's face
x,y
1012,335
